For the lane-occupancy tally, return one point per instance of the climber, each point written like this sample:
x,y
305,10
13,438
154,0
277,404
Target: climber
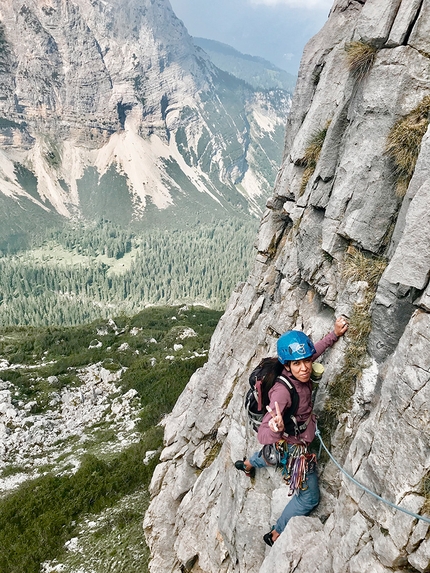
x,y
296,352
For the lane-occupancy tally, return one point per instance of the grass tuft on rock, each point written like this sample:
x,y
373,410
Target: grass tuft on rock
x,y
360,267
426,492
212,455
360,56
404,143
312,154
357,267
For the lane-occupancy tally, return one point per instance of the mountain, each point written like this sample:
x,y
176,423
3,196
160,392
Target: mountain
x,y
347,232
108,110
254,70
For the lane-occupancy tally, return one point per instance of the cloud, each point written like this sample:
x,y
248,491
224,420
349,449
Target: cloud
x,y
304,4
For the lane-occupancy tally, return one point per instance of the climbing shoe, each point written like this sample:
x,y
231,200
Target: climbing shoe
x,y
268,538
240,465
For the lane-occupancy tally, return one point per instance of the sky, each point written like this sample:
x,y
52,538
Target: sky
x,y
276,30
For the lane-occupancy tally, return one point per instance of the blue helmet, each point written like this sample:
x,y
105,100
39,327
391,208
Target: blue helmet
x,y
294,345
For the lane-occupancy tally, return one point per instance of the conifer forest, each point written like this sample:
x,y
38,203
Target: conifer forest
x,y
77,274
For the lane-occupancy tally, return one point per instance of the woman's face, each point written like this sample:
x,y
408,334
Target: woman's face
x,y
301,369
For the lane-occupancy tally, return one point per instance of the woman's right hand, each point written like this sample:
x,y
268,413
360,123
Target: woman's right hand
x,y
276,424
340,326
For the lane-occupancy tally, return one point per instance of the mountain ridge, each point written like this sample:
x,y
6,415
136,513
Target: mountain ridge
x,y
115,96
262,74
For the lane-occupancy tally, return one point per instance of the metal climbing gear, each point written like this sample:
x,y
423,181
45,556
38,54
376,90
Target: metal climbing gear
x,y
299,464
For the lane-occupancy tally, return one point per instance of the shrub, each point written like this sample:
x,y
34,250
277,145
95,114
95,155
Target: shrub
x,y
404,143
360,56
312,153
37,519
160,386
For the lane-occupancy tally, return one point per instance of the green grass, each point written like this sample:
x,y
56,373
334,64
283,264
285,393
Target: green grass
x,y
159,392
212,455
114,542
312,154
37,519
425,486
11,471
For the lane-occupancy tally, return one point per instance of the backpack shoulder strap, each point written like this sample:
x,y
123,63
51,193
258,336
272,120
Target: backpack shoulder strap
x,y
294,395
292,427
286,382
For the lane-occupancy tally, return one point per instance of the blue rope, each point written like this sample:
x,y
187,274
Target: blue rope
x,y
421,517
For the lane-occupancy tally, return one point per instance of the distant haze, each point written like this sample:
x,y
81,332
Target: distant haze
x,y
273,29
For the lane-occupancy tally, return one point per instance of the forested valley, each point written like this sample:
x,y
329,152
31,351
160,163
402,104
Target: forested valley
x,y
80,273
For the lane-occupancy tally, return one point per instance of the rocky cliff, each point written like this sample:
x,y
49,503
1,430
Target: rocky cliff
x,y
346,232
107,109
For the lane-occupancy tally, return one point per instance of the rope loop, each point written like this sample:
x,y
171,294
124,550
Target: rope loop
x,y
367,490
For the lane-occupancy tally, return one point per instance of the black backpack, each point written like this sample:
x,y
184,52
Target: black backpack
x,y
261,380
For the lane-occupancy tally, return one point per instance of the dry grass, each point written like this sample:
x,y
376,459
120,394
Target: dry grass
x,y
211,456
360,57
312,154
404,143
357,267
426,492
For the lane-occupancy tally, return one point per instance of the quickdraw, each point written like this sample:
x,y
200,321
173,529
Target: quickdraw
x,y
296,464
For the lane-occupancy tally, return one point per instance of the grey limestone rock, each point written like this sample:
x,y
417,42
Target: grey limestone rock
x,y
391,310
410,264
420,30
406,14
376,20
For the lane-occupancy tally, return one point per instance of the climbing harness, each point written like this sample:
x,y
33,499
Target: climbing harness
x,y
364,488
294,460
272,454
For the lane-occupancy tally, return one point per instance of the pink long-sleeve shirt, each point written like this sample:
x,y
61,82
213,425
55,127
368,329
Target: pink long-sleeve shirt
x,y
279,393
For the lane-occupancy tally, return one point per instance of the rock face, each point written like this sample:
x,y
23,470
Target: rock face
x,y
108,109
207,517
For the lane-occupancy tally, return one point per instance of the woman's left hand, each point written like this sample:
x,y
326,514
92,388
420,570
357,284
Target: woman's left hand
x,y
340,326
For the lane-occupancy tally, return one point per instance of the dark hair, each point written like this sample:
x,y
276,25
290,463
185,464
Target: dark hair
x,y
274,369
